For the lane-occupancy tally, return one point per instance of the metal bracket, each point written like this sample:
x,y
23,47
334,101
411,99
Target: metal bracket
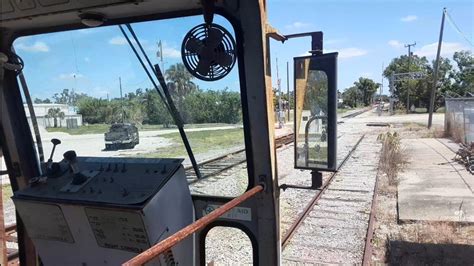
x,y
316,38
208,10
316,182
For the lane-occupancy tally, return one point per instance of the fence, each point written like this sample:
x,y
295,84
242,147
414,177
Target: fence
x,y
459,119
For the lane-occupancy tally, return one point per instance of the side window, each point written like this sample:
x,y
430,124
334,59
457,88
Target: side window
x,y
90,92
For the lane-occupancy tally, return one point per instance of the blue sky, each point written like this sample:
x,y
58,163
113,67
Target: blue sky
x,y
367,34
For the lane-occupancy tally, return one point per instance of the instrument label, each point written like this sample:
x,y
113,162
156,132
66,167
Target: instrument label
x,y
44,221
236,213
123,230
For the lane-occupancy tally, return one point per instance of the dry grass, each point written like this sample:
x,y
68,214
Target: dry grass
x,y
432,232
454,130
388,230
391,157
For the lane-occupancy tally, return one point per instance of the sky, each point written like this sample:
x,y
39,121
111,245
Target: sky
x,y
367,35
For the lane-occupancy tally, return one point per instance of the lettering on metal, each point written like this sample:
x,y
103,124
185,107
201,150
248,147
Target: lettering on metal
x,y
237,213
121,230
44,221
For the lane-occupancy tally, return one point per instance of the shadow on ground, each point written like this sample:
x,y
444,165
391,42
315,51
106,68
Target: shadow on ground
x,y
409,253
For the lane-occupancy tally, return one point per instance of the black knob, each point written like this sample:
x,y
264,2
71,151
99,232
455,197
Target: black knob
x,y
55,142
70,156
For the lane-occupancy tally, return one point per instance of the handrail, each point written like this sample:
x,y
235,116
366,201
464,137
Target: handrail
x,y
172,240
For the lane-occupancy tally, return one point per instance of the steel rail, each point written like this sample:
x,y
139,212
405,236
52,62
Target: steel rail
x,y
367,258
279,142
297,223
174,239
357,113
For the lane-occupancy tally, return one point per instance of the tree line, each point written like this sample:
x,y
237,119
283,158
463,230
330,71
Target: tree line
x,y
144,106
453,80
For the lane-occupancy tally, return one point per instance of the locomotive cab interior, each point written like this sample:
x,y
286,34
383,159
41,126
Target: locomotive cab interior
x,y
81,209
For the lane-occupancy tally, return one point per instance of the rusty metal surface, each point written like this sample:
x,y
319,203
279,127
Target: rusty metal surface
x,y
367,259
169,242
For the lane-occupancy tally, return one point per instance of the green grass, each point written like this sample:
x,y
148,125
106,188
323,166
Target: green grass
x,y
201,142
89,129
342,110
102,128
6,192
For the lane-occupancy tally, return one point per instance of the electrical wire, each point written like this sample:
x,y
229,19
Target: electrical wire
x,y
457,29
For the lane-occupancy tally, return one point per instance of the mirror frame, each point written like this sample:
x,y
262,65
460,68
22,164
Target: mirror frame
x,y
328,64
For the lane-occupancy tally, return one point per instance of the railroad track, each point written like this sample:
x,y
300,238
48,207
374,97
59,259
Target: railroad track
x,y
356,113
217,165
337,224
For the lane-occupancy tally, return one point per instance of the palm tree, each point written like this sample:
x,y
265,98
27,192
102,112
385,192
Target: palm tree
x,y
179,76
55,113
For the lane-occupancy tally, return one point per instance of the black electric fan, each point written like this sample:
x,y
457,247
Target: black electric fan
x,y
208,52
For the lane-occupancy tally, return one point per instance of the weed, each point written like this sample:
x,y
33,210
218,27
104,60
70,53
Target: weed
x,y
392,156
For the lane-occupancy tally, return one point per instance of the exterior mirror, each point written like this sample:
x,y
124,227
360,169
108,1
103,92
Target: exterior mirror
x,y
316,112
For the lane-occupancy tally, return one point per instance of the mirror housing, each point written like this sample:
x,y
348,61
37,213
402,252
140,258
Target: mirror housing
x,y
315,116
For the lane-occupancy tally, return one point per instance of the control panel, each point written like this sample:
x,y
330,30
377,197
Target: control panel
x,y
103,211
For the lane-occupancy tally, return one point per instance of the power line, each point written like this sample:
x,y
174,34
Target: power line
x,y
455,26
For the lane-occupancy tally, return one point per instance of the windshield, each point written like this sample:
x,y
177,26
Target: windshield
x,y
85,83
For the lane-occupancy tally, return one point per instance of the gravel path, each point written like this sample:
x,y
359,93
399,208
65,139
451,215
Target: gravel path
x,y
336,227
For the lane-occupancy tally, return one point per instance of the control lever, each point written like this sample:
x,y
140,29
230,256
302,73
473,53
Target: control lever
x,y
71,158
55,143
52,168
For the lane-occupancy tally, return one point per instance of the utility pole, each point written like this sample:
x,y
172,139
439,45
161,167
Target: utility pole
x,y
121,99
288,88
279,97
159,54
409,62
380,94
436,69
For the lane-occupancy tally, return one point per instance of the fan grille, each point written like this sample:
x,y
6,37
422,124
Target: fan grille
x,y
208,58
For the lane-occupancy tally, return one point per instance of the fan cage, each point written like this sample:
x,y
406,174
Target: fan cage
x,y
226,47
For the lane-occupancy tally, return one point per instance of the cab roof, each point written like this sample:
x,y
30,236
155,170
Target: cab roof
x,y
35,16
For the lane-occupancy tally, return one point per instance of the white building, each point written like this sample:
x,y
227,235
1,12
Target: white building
x,y
71,119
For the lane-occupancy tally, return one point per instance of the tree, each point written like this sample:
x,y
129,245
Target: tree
x,y
367,89
405,64
38,100
68,97
55,113
464,78
361,93
351,96
180,85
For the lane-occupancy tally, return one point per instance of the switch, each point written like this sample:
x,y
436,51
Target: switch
x,y
71,158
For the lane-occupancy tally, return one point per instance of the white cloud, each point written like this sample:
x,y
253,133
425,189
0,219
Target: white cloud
x,y
170,52
297,25
447,49
120,40
334,41
35,47
70,76
409,18
395,44
367,74
351,52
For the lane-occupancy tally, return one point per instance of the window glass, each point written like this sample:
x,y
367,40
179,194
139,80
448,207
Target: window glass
x,y
311,136
91,92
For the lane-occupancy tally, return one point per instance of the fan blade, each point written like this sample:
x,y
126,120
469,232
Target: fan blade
x,y
214,38
203,66
223,59
194,45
